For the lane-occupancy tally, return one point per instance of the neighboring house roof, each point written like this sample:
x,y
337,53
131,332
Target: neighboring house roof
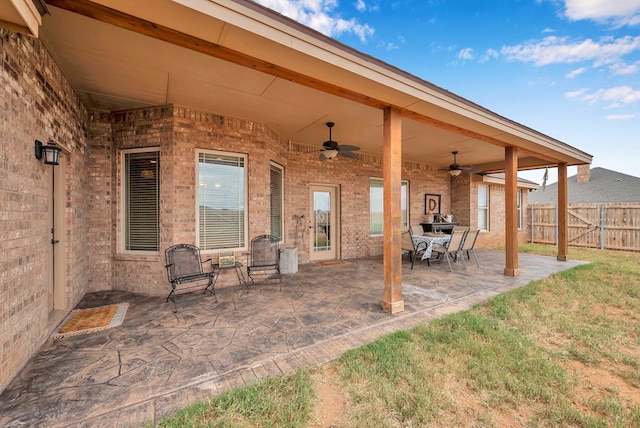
x,y
604,185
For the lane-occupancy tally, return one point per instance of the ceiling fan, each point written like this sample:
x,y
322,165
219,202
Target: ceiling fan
x,y
455,169
331,149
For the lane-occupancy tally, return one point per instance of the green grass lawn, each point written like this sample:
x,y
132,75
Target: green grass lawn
x,y
563,351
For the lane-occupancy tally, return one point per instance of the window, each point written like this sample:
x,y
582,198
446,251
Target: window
x,y
376,205
276,201
141,200
483,207
519,207
221,201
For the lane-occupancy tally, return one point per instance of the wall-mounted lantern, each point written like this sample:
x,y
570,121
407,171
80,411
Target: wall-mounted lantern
x,y
51,152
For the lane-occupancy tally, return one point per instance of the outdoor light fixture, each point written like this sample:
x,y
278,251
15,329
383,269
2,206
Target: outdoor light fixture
x,y
51,152
330,154
454,172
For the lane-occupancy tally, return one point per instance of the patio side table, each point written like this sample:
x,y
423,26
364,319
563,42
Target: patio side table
x,y
217,269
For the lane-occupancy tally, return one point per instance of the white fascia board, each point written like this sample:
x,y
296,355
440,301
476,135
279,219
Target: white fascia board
x,y
29,15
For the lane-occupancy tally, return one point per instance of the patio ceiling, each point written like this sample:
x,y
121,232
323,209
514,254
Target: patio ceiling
x,y
237,59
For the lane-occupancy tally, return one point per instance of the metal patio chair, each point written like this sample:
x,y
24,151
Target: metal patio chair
x,y
410,247
452,249
469,244
184,265
264,259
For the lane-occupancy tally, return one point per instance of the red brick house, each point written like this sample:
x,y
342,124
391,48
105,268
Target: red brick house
x,y
202,121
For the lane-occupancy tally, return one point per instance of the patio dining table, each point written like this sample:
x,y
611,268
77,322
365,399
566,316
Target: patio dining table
x,y
431,240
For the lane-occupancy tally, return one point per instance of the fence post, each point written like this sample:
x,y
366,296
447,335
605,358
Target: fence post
x,y
556,222
532,224
602,226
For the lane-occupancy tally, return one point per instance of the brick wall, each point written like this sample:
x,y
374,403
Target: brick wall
x,y
37,103
495,236
178,132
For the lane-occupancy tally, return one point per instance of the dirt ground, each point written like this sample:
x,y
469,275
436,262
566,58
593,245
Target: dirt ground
x,y
593,381
332,400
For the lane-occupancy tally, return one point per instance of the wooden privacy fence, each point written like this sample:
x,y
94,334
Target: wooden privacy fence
x,y
613,226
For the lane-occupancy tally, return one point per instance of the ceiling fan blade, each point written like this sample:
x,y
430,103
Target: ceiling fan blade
x,y
469,169
348,147
347,154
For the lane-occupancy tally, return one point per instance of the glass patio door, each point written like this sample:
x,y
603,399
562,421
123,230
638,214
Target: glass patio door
x,y
324,224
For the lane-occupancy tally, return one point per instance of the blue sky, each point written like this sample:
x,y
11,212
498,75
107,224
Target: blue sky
x,y
567,68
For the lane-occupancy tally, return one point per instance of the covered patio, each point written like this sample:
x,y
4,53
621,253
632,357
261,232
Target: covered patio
x,y
157,362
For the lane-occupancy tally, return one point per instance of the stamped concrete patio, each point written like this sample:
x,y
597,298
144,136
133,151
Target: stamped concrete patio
x,y
157,362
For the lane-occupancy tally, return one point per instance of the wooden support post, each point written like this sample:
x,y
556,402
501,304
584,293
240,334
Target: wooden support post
x,y
563,213
392,176
511,212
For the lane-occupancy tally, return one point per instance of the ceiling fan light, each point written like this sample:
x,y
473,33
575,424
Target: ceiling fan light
x,y
330,154
454,172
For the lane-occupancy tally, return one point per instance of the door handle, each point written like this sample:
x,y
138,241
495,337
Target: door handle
x,y
53,240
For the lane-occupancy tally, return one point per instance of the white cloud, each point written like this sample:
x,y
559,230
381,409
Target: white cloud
x,y
466,54
361,6
620,116
616,96
489,55
388,46
618,12
622,68
576,72
319,15
560,50
575,94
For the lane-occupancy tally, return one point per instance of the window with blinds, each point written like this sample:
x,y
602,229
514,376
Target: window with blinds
x,y
221,201
276,201
376,205
141,200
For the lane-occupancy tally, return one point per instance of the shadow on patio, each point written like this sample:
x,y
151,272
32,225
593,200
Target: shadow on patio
x,y
157,362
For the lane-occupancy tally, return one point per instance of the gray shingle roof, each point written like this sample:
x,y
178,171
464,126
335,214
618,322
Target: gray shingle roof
x,y
603,186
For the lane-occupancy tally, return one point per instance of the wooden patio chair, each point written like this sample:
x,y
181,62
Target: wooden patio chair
x,y
264,259
469,244
453,248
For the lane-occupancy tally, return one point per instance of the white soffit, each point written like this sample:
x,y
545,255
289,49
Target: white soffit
x,y
256,34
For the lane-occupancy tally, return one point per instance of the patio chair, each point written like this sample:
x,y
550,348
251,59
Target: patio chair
x,y
417,229
184,265
410,247
264,259
453,248
469,244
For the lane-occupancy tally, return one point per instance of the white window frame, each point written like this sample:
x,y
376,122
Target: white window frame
x,y
124,217
519,207
486,208
245,194
280,168
404,204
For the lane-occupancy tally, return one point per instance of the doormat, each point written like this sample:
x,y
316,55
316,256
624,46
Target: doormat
x,y
84,321
331,262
